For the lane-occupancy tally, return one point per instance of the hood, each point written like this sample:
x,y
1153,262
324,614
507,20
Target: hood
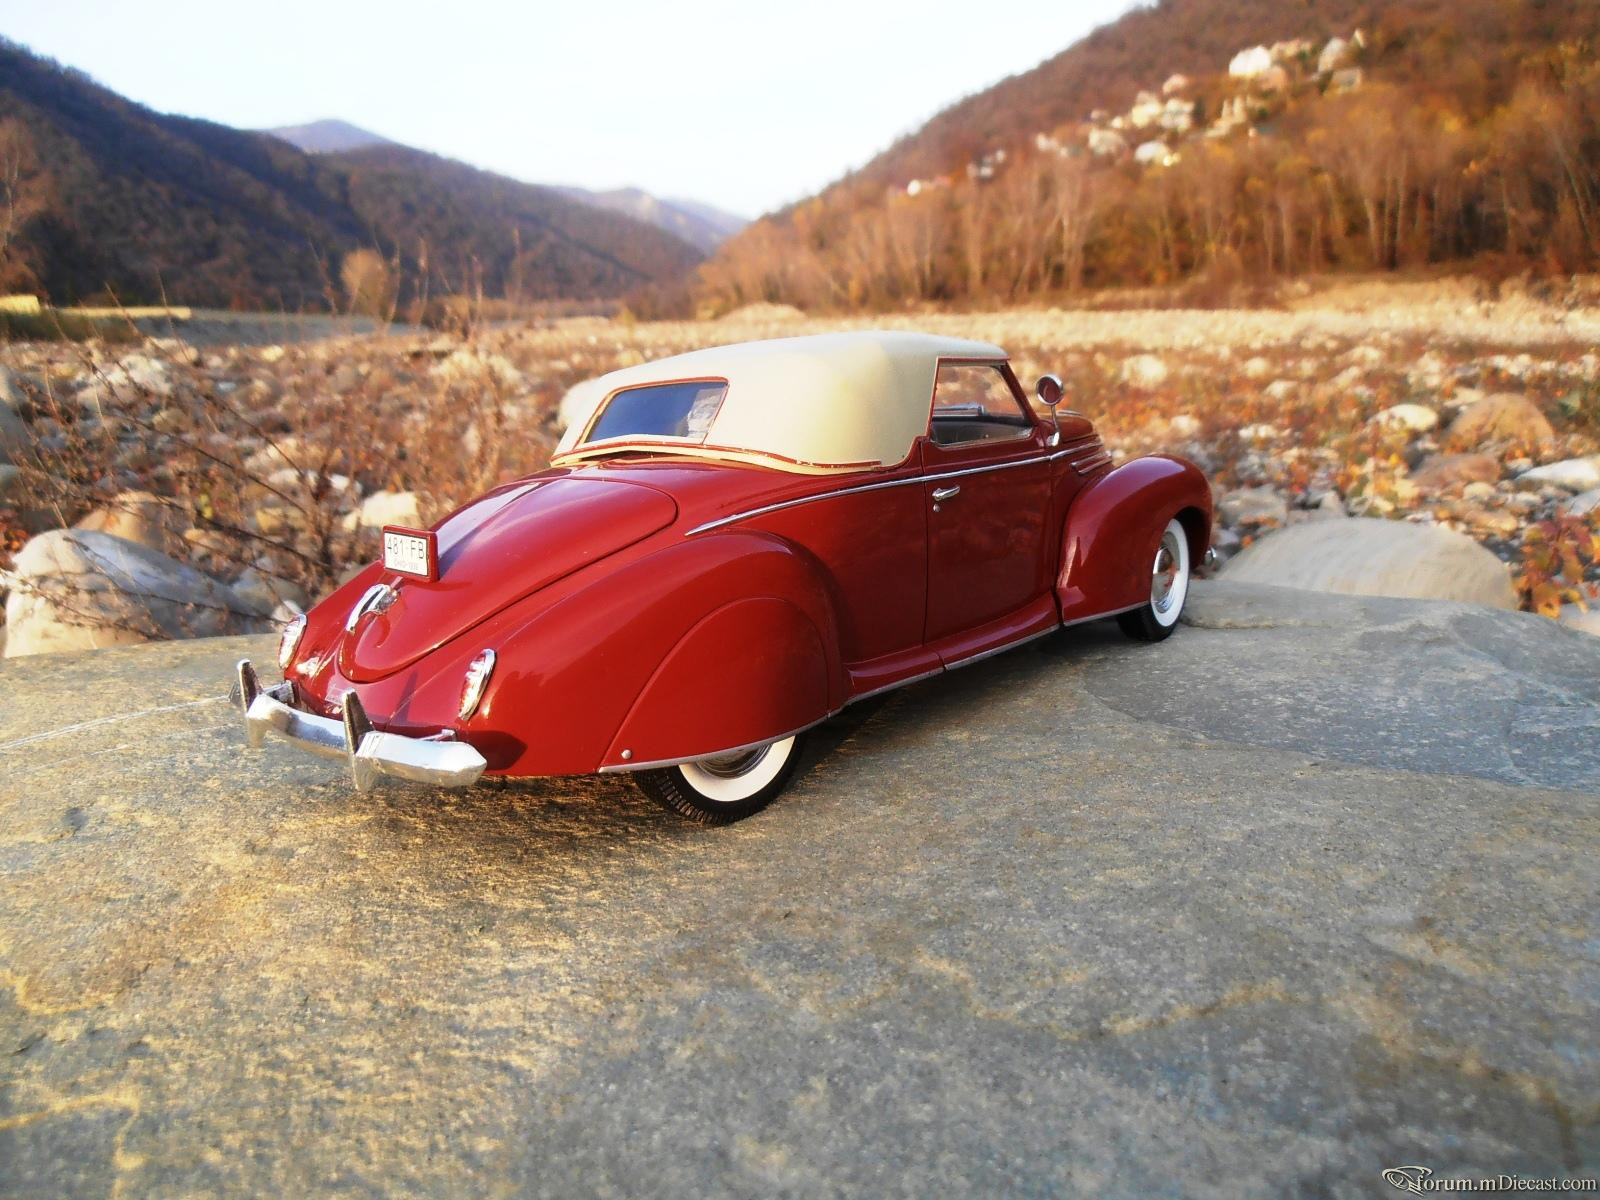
x,y
494,552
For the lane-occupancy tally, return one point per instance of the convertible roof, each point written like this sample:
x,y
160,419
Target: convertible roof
x,y
835,401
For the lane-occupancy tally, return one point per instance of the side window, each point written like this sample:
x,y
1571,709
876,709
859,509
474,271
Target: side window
x,y
972,402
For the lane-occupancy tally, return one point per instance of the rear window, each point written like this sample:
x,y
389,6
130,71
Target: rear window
x,y
660,410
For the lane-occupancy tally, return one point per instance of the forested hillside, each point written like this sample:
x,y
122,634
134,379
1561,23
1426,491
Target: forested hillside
x,y
1220,138
101,198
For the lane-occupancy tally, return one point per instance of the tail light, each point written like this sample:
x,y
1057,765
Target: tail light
x,y
477,678
290,641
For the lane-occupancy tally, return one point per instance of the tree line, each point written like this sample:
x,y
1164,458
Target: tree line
x,y
1502,173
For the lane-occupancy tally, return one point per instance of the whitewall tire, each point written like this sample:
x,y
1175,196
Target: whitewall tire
x,y
1169,588
727,787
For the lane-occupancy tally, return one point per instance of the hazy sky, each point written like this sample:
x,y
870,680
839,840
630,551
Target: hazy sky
x,y
743,104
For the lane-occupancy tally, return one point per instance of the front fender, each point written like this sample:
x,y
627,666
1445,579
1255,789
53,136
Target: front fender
x,y
1113,528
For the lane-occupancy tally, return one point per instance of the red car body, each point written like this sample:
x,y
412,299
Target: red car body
x,y
655,609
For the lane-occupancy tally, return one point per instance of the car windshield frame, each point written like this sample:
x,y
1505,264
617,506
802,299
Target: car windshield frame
x,y
667,441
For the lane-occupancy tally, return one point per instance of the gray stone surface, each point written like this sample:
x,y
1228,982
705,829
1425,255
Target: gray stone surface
x,y
1366,556
1305,892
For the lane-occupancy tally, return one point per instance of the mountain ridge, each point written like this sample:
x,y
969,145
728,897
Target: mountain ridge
x,y
117,201
702,225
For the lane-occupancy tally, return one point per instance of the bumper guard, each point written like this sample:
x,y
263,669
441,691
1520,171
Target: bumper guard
x,y
439,760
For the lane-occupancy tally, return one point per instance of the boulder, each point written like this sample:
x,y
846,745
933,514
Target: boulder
x,y
1184,425
1144,371
1414,418
74,589
1583,504
283,452
1368,557
1570,475
14,388
1252,506
138,517
1585,620
1502,417
388,508
263,593
1441,472
14,435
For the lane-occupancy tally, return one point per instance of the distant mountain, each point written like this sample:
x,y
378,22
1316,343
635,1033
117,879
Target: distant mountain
x,y
696,223
701,225
328,137
114,199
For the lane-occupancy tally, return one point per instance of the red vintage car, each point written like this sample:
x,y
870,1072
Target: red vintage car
x,y
728,547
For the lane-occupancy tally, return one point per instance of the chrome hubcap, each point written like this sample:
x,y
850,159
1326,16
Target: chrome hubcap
x,y
1164,576
731,766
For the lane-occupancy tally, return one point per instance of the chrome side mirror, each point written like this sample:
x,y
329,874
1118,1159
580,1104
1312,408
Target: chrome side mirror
x,y
1051,394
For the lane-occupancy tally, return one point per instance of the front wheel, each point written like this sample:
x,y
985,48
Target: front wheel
x,y
1169,586
730,787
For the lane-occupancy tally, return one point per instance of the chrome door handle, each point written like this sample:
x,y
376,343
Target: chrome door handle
x,y
948,493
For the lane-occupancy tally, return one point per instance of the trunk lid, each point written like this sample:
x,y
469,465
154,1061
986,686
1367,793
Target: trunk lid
x,y
494,552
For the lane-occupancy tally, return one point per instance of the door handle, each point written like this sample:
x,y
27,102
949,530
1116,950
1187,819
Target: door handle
x,y
945,493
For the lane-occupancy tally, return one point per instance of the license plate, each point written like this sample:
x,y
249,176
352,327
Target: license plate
x,y
412,552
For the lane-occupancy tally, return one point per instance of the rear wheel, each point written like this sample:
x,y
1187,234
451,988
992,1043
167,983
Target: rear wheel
x,y
1169,587
729,787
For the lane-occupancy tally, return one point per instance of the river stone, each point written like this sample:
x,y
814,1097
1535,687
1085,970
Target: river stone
x,y
1586,620
1368,557
1583,504
1415,418
1252,506
387,508
1502,417
1439,472
75,589
14,436
1144,371
138,517
1570,475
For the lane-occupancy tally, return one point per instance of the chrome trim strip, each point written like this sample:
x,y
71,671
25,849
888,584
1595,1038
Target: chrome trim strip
x,y
1100,616
1078,447
620,768
889,687
1001,649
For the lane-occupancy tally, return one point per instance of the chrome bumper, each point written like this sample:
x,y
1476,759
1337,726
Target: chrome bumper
x,y
439,760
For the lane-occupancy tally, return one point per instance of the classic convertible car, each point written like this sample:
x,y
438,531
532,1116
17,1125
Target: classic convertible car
x,y
728,547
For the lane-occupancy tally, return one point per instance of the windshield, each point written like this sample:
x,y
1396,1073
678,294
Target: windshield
x,y
683,411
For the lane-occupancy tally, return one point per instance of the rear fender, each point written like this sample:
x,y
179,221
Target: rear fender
x,y
710,643
1114,525
750,671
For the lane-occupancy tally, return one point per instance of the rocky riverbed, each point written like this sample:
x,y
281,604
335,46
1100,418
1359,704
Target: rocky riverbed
x,y
251,478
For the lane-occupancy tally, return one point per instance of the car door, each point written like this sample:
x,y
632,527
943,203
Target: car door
x,y
987,485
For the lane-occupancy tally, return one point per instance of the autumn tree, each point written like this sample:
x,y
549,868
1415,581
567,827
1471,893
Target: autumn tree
x,y
369,284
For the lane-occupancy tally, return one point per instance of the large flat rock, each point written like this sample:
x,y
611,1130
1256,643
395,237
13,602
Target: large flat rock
x,y
1307,891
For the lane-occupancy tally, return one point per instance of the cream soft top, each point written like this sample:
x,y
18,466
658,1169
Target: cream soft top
x,y
834,401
